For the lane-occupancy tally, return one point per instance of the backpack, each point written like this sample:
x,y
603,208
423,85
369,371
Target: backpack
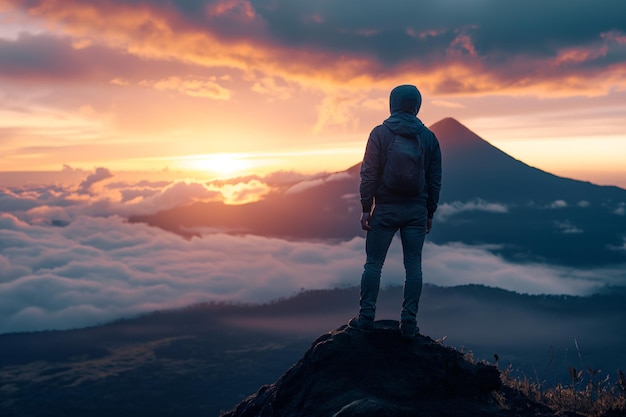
x,y
404,173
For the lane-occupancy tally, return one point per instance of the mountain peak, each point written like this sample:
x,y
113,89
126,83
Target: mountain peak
x,y
350,373
449,121
454,134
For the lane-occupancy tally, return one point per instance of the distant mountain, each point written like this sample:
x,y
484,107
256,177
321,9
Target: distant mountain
x,y
488,198
475,169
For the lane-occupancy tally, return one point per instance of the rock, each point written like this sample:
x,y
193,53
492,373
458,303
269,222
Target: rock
x,y
349,373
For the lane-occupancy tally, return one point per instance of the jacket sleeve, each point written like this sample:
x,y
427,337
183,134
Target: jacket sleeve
x,y
433,177
370,169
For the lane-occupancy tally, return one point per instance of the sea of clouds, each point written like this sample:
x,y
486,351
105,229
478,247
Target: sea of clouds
x,y
69,258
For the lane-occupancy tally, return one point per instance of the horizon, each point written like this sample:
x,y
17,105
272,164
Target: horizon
x,y
229,88
228,167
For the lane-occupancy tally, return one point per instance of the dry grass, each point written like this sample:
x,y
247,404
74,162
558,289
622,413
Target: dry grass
x,y
588,393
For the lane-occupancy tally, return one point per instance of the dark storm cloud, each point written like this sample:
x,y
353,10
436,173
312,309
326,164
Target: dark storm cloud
x,y
533,27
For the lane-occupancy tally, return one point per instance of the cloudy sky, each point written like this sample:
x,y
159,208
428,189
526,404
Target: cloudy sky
x,y
233,86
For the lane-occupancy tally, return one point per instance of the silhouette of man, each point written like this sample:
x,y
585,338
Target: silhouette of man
x,y
387,210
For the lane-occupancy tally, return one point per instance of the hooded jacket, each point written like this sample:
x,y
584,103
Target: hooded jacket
x,y
404,104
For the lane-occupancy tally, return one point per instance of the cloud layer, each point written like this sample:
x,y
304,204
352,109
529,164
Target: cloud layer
x,y
69,259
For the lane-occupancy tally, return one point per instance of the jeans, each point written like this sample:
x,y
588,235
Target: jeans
x,y
386,220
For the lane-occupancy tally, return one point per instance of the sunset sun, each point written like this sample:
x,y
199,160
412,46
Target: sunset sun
x,y
221,164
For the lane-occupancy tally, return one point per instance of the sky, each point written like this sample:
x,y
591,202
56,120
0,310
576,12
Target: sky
x,y
233,87
69,258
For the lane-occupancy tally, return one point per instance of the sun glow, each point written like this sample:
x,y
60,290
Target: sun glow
x,y
230,165
221,164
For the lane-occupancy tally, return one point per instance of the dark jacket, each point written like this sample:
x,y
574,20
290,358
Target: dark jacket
x,y
404,123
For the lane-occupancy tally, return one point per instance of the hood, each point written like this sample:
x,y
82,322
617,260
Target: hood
x,y
404,104
405,98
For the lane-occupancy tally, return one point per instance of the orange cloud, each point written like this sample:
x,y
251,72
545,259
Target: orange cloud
x,y
159,33
462,45
240,8
191,87
272,88
337,110
577,55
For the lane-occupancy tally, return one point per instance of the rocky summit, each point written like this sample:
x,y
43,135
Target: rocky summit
x,y
348,373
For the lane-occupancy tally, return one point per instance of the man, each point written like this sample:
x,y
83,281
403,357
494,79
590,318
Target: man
x,y
409,209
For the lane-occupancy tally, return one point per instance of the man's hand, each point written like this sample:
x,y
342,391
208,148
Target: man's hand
x,y
365,221
429,225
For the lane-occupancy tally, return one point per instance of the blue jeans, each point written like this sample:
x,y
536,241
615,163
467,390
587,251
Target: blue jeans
x,y
386,220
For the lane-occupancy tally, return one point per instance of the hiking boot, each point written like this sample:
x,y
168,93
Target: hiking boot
x,y
409,331
361,323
